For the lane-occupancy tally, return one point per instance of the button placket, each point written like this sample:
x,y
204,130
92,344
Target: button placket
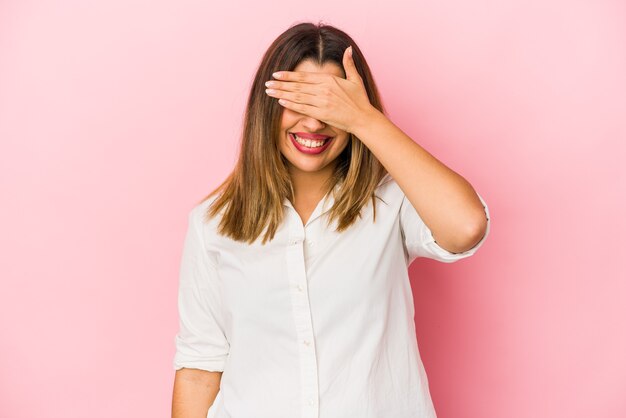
x,y
296,269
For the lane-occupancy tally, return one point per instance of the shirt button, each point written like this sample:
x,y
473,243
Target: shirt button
x,y
311,243
306,342
294,242
311,402
300,288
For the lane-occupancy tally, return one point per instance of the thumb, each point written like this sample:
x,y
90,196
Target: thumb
x,y
348,65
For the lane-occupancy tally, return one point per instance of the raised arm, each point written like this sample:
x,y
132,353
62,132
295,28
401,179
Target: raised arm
x,y
445,201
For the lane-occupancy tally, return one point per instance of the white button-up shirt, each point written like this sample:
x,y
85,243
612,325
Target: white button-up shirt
x,y
315,323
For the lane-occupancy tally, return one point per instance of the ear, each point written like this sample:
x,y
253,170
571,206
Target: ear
x,y
348,65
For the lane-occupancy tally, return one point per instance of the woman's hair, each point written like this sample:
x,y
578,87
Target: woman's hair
x,y
254,192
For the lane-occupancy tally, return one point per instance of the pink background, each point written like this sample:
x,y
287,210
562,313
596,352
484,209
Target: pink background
x,y
117,116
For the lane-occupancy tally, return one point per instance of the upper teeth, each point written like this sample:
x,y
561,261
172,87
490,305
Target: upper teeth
x,y
308,142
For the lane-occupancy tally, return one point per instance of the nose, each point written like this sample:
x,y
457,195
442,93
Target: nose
x,y
312,124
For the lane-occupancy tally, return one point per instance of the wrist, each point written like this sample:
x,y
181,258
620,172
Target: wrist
x,y
365,121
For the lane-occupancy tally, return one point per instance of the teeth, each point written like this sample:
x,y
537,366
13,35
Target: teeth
x,y
309,143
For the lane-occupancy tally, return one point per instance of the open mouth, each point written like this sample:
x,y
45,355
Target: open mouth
x,y
310,143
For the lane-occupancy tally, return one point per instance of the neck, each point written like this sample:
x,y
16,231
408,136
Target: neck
x,y
310,185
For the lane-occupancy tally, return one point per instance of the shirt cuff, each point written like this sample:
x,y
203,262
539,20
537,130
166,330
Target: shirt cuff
x,y
446,256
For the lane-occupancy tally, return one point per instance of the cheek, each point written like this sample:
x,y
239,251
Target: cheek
x,y
289,118
344,142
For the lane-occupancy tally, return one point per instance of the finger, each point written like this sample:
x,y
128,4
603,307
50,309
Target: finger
x,y
297,97
299,76
305,109
350,68
292,86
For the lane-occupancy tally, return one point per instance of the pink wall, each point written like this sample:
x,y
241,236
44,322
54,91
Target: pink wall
x,y
116,116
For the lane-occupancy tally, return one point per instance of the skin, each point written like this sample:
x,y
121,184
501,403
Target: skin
x,y
445,201
309,171
321,100
194,392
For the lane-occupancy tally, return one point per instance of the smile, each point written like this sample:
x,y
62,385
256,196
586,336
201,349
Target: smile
x,y
309,146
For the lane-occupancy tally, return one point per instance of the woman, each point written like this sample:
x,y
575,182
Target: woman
x,y
294,295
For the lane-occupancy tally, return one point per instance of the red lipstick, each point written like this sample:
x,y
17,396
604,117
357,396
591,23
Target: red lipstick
x,y
313,150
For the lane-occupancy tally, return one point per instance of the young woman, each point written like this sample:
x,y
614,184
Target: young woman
x,y
294,294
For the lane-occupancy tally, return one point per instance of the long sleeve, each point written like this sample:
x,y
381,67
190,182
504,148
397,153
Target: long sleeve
x,y
200,342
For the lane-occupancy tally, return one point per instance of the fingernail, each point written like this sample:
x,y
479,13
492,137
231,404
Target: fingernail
x,y
276,75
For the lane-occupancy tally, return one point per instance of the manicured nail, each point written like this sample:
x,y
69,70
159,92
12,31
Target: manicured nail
x,y
277,75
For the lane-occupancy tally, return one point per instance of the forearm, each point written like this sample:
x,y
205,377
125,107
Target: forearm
x,y
445,201
194,392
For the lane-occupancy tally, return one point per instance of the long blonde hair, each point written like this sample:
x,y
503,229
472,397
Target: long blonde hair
x,y
253,194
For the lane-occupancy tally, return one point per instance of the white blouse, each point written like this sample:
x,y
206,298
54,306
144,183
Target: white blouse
x,y
314,324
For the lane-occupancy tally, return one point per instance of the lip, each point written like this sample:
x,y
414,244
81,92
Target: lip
x,y
311,151
307,135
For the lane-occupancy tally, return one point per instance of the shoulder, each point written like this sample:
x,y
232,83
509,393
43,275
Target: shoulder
x,y
388,188
198,214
